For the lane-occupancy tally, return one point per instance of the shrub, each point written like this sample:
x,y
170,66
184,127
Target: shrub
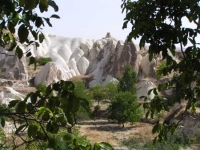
x,y
125,108
174,142
82,92
42,60
111,90
98,93
128,81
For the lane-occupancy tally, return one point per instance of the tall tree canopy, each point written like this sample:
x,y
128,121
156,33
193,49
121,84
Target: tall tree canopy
x,y
159,23
128,81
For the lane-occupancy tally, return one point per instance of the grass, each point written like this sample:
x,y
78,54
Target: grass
x,y
175,142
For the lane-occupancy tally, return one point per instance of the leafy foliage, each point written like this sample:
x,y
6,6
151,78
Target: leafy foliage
x,y
175,142
128,81
111,90
125,108
46,112
160,24
21,14
42,61
81,91
98,93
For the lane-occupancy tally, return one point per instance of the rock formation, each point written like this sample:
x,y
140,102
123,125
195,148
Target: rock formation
x,y
11,67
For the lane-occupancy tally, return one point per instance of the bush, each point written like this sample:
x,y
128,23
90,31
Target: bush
x,y
174,142
125,108
111,90
128,81
98,93
82,92
42,61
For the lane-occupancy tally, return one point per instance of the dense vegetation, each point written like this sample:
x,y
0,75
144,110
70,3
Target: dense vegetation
x,y
160,24
125,107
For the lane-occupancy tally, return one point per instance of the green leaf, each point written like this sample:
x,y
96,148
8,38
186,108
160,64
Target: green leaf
x,y
33,98
149,92
21,107
38,22
48,21
56,86
55,16
30,4
35,35
11,27
23,33
13,103
2,122
155,91
76,104
105,146
30,107
32,130
41,38
19,52
43,5
32,61
28,54
53,4
46,116
20,128
68,137
125,25
22,2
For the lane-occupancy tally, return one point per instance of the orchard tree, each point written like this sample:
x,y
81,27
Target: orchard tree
x,y
44,113
128,81
98,93
111,90
159,23
125,108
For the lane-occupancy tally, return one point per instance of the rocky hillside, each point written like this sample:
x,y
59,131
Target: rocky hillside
x,y
102,61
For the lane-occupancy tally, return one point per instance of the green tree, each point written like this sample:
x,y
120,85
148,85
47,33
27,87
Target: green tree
x,y
111,90
128,81
98,93
125,108
160,24
81,91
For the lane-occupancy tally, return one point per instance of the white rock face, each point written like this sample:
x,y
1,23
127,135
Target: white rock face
x,y
143,88
12,67
82,65
109,79
51,73
94,83
74,56
147,67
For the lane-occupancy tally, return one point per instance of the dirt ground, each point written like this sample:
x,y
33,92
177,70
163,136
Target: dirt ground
x,y
104,131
